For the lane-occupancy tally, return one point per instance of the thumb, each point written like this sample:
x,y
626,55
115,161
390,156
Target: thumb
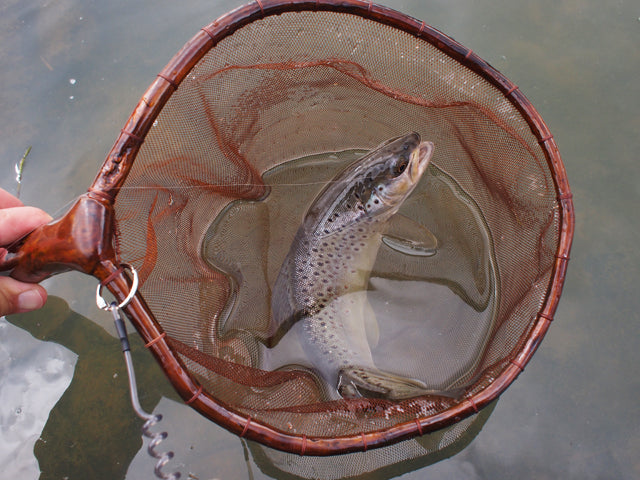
x,y
16,297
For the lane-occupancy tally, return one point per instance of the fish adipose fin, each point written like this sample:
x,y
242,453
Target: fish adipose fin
x,y
371,382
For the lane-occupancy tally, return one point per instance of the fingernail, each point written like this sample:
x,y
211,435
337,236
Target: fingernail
x,y
30,300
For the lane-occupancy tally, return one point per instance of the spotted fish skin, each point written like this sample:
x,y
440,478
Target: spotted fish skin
x,y
321,286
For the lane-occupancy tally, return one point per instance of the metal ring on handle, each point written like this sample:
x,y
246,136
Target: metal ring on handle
x,y
101,302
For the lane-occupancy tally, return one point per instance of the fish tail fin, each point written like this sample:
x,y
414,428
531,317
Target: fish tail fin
x,y
371,382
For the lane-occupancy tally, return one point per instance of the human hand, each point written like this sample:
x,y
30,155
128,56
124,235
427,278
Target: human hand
x,y
16,220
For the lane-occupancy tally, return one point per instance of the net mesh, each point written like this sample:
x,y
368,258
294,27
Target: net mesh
x,y
305,83
388,462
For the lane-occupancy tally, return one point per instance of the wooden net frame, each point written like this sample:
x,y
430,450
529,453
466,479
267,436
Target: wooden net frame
x,y
94,236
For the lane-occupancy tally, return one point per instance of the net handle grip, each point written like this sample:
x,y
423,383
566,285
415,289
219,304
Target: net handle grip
x,y
80,240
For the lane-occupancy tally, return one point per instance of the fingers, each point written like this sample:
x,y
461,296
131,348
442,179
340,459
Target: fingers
x,y
7,200
15,222
16,297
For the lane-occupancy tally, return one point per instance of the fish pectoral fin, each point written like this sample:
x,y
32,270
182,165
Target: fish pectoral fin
x,y
279,330
371,382
409,237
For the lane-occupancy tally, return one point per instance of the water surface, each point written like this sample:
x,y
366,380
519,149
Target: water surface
x,y
572,414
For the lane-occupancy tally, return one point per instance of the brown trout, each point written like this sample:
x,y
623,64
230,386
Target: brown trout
x,y
321,286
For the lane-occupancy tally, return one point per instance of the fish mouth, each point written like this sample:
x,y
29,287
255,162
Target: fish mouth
x,y
403,185
420,160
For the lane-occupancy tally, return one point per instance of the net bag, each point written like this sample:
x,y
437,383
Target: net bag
x,y
210,176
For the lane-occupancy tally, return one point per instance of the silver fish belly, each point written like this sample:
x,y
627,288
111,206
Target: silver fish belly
x,y
321,286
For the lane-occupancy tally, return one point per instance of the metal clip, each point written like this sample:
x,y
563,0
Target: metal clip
x,y
150,420
101,302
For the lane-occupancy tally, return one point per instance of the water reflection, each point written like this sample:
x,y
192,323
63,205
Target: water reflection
x,y
33,376
92,428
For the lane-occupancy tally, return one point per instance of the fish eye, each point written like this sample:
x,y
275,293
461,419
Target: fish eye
x,y
400,167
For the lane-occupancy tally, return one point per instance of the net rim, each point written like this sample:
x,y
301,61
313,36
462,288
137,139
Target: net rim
x,y
122,155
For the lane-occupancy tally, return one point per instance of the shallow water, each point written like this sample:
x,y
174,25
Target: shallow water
x,y
572,414
419,306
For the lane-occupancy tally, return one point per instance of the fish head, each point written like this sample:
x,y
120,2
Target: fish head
x,y
391,173
373,187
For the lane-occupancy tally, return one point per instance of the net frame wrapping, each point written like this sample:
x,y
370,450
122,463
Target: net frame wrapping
x,y
97,207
